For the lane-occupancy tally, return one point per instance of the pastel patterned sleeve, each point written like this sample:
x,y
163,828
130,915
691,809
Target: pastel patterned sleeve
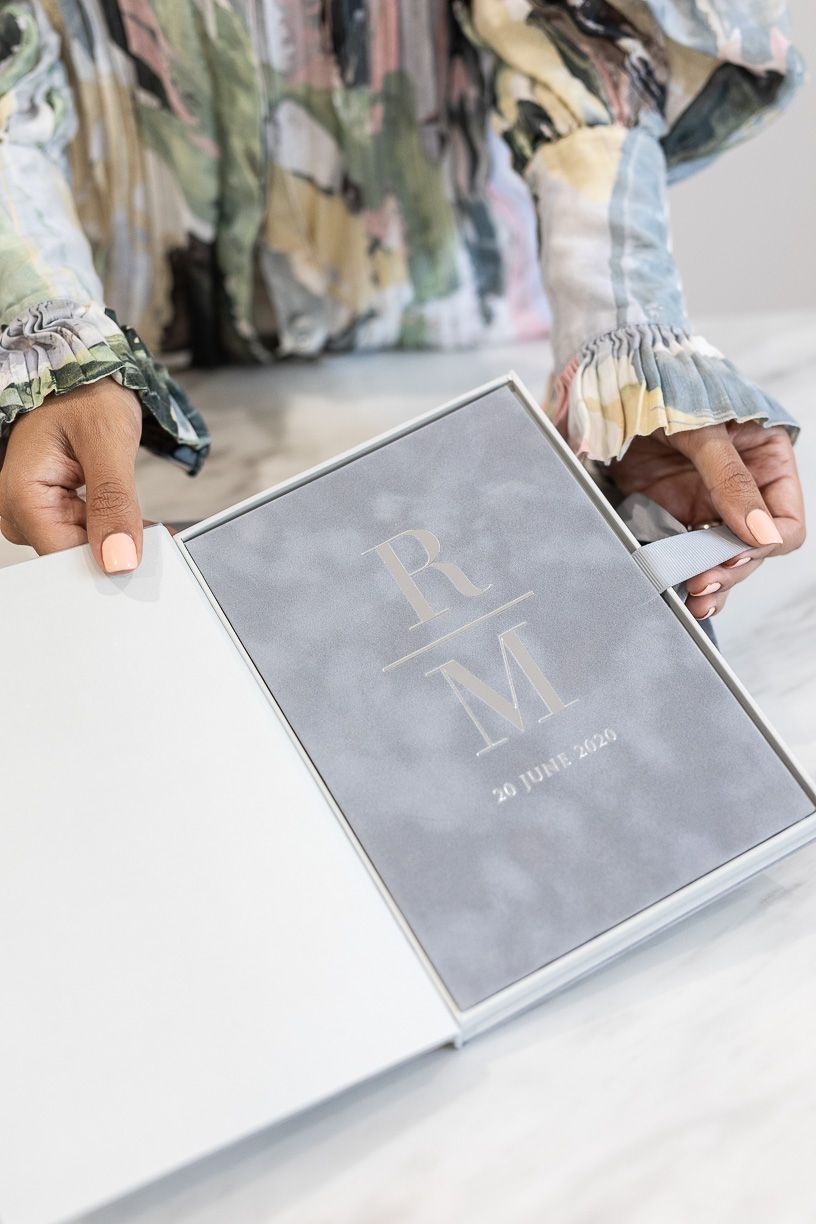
x,y
55,333
601,105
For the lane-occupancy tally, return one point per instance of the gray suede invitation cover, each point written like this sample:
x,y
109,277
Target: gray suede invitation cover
x,y
528,744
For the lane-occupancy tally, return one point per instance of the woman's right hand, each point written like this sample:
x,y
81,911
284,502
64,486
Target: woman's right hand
x,y
741,474
87,437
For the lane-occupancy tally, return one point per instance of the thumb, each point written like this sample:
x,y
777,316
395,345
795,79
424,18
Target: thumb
x,y
731,487
114,518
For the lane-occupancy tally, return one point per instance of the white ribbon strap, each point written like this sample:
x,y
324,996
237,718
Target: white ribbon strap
x,y
677,558
670,555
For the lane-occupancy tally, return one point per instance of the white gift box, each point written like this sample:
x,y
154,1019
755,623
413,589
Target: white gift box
x,y
356,769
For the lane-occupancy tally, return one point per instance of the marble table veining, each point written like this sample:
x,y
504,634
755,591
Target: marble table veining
x,y
678,1084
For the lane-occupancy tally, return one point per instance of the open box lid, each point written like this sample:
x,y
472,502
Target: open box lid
x,y
190,947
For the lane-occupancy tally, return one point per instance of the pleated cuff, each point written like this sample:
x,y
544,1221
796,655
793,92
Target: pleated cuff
x,y
632,381
56,346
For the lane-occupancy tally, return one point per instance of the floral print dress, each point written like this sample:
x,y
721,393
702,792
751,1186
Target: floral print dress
x,y
243,180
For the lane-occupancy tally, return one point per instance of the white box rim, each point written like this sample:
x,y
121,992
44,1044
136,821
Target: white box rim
x,y
647,922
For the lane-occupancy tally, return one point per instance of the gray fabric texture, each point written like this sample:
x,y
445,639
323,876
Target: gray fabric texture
x,y
651,774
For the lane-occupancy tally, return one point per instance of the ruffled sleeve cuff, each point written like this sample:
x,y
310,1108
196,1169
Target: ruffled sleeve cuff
x,y
632,381
55,346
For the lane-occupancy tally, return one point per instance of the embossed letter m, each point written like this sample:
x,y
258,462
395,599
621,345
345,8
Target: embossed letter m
x,y
464,683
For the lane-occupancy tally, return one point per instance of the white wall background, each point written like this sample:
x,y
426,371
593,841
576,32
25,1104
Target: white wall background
x,y
744,228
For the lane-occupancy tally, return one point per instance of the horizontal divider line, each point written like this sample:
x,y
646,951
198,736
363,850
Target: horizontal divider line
x,y
453,632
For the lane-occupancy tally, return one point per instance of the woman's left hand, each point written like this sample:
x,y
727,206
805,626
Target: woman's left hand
x,y
744,475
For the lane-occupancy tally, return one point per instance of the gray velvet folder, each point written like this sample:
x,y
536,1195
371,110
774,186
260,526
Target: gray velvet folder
x,y
529,741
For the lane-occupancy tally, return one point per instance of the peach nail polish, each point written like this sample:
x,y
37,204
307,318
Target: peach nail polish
x,y
762,528
118,553
736,564
710,611
709,590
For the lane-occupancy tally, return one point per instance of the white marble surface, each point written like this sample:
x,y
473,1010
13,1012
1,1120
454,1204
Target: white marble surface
x,y
678,1084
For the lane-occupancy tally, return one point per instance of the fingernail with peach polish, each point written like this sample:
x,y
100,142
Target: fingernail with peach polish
x,y
762,528
710,612
736,564
118,553
709,590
